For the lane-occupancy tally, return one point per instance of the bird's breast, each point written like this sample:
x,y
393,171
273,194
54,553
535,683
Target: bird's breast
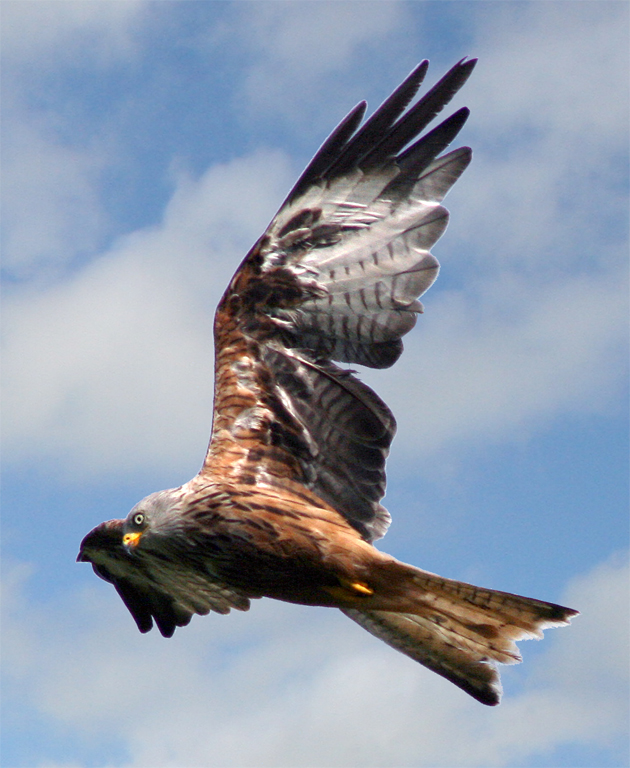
x,y
269,542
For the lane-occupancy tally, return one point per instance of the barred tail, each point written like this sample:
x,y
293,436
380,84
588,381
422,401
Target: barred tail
x,y
461,631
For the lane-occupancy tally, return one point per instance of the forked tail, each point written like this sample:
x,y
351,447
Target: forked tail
x,y
458,630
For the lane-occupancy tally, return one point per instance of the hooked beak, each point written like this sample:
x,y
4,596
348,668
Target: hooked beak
x,y
130,540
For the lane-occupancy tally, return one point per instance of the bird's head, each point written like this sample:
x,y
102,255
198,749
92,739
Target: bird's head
x,y
156,514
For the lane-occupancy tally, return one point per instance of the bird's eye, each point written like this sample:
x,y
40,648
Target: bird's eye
x,y
138,519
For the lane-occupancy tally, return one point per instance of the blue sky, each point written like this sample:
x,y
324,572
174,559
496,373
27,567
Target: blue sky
x,y
146,146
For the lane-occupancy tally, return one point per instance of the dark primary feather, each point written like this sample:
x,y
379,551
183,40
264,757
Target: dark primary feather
x,y
421,114
377,127
383,135
103,548
329,152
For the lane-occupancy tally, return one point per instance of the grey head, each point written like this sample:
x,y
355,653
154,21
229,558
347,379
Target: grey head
x,y
146,558
153,518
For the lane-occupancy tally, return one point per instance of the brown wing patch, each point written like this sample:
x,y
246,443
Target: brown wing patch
x,y
285,419
336,276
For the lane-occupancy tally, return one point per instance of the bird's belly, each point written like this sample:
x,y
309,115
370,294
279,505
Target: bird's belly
x,y
292,558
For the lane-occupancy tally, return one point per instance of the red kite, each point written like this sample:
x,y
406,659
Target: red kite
x,y
287,503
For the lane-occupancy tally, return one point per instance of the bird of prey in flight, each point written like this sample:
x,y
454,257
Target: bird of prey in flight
x,y
287,503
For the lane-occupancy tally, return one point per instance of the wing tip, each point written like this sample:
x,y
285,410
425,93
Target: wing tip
x,y
490,696
559,616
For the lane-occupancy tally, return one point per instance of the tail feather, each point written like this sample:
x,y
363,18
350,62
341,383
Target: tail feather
x,y
458,630
425,642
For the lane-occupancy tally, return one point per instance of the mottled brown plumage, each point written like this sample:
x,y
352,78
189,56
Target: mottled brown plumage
x,y
287,502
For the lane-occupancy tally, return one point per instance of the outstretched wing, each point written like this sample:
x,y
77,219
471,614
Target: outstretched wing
x,y
336,276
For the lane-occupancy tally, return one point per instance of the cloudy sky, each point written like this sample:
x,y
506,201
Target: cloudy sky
x,y
146,146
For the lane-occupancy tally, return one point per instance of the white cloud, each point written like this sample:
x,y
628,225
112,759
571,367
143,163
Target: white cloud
x,y
316,38
533,77
549,126
290,686
604,593
298,47
121,353
501,361
59,28
53,212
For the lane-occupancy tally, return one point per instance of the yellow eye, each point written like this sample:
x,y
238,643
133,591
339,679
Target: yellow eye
x,y
138,519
